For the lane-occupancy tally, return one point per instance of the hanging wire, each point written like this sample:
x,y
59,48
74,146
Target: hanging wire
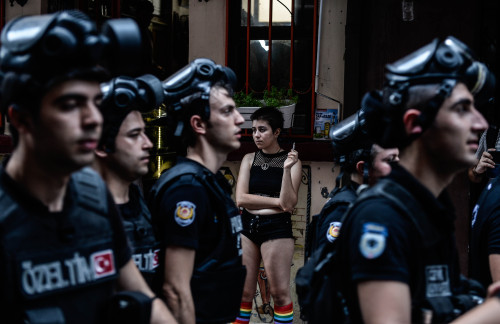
x,y
285,6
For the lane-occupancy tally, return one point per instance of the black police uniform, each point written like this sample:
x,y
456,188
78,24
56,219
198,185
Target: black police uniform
x,y
139,229
59,267
409,239
329,220
192,208
485,233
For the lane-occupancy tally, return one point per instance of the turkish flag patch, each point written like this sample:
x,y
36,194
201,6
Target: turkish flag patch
x,y
104,263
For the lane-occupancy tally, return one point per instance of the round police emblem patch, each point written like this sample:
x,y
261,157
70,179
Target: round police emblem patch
x,y
185,213
333,231
372,242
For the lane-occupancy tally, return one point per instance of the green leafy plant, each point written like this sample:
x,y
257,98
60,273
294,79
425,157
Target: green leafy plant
x,y
246,100
279,97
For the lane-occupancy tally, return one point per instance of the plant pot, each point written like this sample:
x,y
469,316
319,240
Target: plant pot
x,y
288,113
246,112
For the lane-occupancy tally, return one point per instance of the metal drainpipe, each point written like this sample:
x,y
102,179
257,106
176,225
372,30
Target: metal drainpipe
x,y
316,77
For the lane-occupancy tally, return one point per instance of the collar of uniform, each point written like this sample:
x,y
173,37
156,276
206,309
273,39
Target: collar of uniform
x,y
441,210
221,179
132,208
182,159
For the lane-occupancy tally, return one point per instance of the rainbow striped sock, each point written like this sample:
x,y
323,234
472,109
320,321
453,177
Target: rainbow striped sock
x,y
283,314
245,312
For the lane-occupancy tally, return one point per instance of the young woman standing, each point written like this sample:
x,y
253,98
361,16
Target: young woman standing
x,y
267,192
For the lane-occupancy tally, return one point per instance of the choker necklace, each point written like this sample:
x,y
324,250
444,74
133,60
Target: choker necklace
x,y
265,165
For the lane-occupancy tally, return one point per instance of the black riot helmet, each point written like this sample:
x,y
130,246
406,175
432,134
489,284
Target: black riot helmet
x,y
442,63
187,92
38,51
123,94
45,45
351,144
349,134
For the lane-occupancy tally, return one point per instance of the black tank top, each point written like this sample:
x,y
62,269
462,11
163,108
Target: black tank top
x,y
266,174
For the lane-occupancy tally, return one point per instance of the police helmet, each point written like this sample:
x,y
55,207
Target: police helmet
x,y
37,51
46,45
123,94
350,134
441,62
193,83
351,144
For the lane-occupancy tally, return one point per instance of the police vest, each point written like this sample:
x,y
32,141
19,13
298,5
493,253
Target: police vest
x,y
57,267
486,206
436,279
340,196
139,230
217,283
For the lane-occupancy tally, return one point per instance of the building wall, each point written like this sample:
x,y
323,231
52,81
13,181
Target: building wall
x,y
207,30
32,7
331,48
207,39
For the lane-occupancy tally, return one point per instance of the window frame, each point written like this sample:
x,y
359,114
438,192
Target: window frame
x,y
234,32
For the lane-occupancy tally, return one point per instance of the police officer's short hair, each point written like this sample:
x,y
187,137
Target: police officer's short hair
x,y
193,105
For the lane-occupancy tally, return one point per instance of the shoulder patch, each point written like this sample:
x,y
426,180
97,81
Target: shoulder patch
x,y
333,231
185,213
372,242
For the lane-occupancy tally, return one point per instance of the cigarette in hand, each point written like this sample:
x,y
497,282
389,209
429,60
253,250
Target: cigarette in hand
x,y
293,146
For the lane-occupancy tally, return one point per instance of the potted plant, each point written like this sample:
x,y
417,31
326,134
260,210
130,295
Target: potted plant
x,y
283,99
246,104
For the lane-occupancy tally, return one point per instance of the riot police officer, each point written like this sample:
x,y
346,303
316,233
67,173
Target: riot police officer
x,y
484,244
196,220
122,157
360,166
397,242
63,248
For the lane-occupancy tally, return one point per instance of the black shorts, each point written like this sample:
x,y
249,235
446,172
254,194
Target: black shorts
x,y
262,228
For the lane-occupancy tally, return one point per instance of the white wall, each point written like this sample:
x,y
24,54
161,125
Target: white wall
x,y
207,30
331,33
32,7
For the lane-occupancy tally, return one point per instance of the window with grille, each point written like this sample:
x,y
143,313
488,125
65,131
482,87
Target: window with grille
x,y
272,43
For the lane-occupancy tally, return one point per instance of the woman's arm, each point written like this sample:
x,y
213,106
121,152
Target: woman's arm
x,y
243,198
292,173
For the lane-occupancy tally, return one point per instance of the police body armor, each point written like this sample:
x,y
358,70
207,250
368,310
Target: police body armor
x,y
139,230
216,284
487,203
59,267
449,295
340,196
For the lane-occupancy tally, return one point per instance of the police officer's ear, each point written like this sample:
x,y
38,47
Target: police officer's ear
x,y
20,119
198,125
360,167
411,121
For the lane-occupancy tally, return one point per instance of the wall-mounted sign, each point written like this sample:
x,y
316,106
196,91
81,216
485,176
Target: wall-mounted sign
x,y
324,119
